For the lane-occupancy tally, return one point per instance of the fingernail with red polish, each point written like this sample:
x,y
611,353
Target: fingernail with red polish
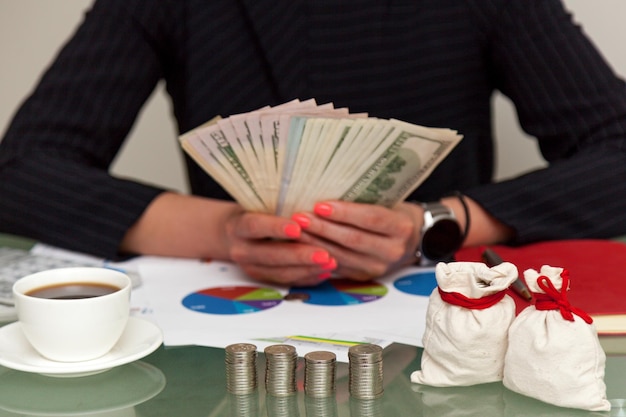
x,y
292,230
321,257
323,209
330,265
302,220
324,275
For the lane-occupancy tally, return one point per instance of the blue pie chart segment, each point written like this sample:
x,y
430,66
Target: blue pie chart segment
x,y
232,300
417,283
341,292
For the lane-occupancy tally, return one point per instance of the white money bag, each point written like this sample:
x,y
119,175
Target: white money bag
x,y
467,322
554,353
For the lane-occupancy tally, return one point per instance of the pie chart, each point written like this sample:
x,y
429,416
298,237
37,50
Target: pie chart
x,y
339,292
417,283
232,300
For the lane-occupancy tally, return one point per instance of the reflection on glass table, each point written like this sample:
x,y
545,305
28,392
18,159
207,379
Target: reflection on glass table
x,y
196,387
113,393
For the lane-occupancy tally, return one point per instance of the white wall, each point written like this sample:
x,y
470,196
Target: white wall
x,y
31,32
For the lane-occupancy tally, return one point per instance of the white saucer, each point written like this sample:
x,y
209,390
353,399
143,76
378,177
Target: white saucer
x,y
140,338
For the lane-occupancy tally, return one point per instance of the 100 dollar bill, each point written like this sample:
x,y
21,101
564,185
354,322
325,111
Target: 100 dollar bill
x,y
409,159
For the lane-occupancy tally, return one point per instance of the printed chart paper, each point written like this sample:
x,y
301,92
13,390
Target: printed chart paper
x,y
216,304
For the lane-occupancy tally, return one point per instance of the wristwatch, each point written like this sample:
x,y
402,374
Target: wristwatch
x,y
441,235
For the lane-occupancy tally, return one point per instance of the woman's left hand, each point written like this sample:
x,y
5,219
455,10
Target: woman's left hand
x,y
367,241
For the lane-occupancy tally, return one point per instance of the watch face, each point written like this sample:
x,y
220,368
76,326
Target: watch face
x,y
442,240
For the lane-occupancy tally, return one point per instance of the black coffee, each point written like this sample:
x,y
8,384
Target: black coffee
x,y
73,291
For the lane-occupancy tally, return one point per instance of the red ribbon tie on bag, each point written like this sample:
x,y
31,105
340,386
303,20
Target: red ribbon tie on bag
x,y
555,300
458,299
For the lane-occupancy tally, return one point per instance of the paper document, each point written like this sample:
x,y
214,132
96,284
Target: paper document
x,y
216,304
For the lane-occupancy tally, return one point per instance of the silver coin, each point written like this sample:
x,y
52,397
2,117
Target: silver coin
x,y
365,349
320,356
279,349
241,348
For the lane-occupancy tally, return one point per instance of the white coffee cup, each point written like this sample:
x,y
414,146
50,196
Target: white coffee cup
x,y
73,329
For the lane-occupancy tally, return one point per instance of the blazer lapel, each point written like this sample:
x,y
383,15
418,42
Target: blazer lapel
x,y
280,26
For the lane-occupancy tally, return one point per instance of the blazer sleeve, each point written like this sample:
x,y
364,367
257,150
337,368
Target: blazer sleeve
x,y
54,160
568,97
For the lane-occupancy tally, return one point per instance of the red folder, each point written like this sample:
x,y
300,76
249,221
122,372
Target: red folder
x,y
597,270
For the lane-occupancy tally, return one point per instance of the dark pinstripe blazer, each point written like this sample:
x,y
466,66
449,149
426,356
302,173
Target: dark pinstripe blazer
x,y
432,62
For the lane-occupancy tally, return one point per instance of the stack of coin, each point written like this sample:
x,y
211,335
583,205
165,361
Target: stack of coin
x,y
280,370
241,377
319,374
365,371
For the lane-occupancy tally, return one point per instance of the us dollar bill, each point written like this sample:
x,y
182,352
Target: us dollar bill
x,y
409,157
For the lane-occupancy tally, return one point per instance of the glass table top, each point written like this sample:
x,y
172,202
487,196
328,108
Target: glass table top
x,y
191,381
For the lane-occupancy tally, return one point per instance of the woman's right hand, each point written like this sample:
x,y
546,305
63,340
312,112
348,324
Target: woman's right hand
x,y
266,247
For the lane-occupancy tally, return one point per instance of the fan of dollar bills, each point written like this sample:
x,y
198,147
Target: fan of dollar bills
x,y
284,159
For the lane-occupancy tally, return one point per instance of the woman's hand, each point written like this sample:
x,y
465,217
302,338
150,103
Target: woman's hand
x,y
266,247
367,241
269,248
